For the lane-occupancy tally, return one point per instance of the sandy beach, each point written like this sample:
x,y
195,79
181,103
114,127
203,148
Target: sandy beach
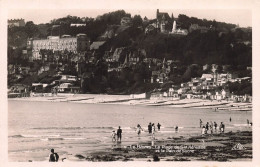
x,y
231,146
127,100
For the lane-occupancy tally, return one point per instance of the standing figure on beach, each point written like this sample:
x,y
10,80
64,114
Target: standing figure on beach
x,y
119,134
113,135
153,131
230,119
207,127
222,127
159,126
54,157
139,128
150,128
211,123
176,129
138,125
203,131
215,125
247,122
211,128
200,123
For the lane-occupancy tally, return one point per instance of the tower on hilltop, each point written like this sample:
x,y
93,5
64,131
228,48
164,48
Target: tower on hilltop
x,y
163,21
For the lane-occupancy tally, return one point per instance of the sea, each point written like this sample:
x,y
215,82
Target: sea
x,y
72,128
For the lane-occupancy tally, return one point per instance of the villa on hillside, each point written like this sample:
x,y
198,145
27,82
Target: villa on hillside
x,y
16,23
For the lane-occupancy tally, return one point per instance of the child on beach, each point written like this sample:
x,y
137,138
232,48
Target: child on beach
x,y
113,135
139,128
203,131
176,129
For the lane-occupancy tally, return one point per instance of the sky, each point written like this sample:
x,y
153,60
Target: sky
x,y
243,17
42,11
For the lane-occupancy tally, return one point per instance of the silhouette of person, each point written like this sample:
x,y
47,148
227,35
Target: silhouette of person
x,y
119,134
54,157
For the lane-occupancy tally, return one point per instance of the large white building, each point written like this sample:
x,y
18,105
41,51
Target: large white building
x,y
80,43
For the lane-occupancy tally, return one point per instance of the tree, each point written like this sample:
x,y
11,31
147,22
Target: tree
x,y
137,21
31,29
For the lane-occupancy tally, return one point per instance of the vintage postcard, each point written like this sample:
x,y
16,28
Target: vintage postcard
x,y
130,83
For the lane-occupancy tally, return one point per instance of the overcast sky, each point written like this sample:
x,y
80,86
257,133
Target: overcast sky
x,y
235,16
42,11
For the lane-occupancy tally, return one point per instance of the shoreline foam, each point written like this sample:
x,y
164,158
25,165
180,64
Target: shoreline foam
x,y
126,100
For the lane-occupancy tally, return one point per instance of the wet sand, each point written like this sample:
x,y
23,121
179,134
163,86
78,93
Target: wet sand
x,y
231,146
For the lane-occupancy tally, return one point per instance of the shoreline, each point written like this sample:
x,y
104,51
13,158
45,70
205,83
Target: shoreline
x,y
127,100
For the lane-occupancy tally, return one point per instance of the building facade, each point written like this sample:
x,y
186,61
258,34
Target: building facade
x,y
77,44
163,21
194,27
16,23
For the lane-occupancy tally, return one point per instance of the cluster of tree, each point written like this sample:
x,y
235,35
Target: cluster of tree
x,y
242,88
198,48
128,80
186,21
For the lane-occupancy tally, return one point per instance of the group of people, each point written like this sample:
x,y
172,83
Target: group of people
x,y
208,128
117,136
151,128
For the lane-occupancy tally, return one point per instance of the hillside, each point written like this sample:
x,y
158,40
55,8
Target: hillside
x,y
210,42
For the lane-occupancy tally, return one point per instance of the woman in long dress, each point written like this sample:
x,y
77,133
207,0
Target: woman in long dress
x,y
153,130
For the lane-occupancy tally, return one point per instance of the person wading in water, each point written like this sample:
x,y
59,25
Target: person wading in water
x,y
54,157
119,134
159,126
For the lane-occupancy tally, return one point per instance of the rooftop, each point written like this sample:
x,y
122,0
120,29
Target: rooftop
x,y
96,45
